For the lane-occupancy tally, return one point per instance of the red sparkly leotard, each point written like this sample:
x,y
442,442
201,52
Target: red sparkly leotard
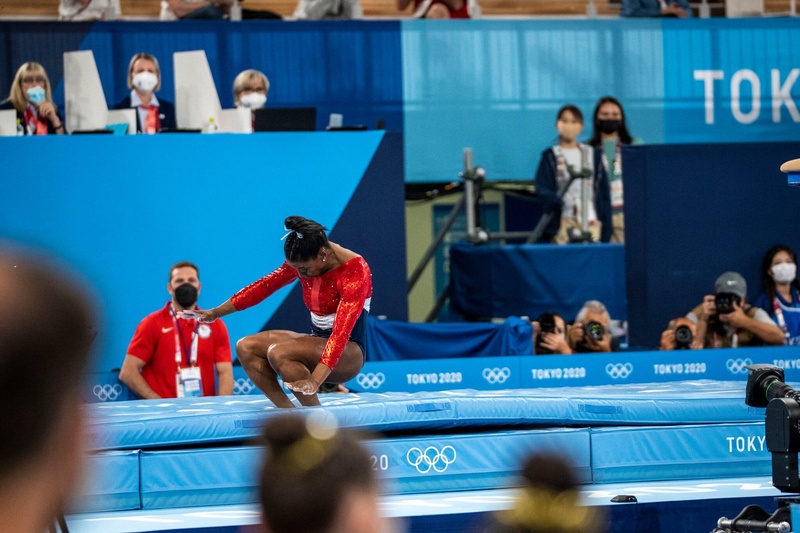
x,y
335,299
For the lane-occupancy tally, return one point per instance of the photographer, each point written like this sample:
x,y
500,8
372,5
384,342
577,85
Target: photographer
x,y
681,334
725,320
549,335
590,331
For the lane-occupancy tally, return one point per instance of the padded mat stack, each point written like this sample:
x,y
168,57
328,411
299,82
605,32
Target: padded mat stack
x,y
202,452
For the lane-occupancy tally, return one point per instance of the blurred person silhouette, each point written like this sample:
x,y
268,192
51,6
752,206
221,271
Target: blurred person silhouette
x,y
32,97
317,478
656,8
46,328
549,501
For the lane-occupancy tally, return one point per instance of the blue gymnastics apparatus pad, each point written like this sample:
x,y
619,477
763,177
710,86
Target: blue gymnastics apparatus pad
x,y
445,463
143,424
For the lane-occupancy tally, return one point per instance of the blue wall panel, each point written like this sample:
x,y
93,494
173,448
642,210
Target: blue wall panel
x,y
129,207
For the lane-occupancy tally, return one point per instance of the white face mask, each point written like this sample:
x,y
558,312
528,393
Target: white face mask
x,y
784,272
145,81
253,100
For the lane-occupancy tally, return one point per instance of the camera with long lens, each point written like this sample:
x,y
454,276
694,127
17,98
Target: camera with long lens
x,y
547,324
724,302
593,331
683,338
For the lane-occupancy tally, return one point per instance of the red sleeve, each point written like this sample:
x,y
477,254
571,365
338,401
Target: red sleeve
x,y
222,350
354,288
258,291
143,343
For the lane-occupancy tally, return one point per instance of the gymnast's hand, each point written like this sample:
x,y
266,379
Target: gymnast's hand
x,y
201,315
303,386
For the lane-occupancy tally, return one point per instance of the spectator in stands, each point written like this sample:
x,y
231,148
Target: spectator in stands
x,y
681,334
209,10
725,320
250,90
31,96
318,479
195,9
549,501
81,10
550,335
578,167
170,356
781,296
437,9
655,8
46,328
328,10
609,133
153,114
590,332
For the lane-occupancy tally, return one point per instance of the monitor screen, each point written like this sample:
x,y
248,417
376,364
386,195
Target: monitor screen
x,y
286,119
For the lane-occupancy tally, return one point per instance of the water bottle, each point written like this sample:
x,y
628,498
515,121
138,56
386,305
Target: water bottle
x,y
20,128
236,11
211,126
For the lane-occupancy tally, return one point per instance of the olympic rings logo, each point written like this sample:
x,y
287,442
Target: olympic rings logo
x,y
496,375
737,366
619,370
107,393
243,386
370,380
431,458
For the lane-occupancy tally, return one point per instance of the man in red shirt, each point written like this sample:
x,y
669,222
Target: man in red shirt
x,y
170,356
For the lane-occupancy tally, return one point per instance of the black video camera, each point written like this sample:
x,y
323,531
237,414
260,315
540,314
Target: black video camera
x,y
765,388
683,338
724,302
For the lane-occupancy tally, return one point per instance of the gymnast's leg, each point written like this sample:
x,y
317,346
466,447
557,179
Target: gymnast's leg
x,y
252,354
296,358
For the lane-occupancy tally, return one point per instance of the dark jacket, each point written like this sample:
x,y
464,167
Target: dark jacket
x,y
547,192
21,117
165,109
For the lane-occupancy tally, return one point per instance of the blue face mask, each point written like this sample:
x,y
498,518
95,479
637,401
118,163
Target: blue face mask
x,y
36,95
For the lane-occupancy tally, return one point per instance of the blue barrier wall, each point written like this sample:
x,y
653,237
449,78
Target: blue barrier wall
x,y
493,85
129,207
694,212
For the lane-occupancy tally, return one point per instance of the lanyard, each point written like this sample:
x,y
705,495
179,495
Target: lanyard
x,y
779,316
180,348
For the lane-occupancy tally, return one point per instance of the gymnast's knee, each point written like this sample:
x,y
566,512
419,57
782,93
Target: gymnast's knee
x,y
249,349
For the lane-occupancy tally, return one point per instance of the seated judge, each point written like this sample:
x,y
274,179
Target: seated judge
x,y
153,114
32,98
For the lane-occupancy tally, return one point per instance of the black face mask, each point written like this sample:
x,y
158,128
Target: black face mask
x,y
609,126
186,295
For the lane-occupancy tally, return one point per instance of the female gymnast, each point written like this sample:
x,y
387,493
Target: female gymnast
x,y
337,289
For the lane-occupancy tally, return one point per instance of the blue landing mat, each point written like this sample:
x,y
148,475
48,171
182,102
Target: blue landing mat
x,y
663,507
446,463
145,424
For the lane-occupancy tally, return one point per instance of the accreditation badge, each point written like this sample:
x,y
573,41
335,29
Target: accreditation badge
x,y
189,383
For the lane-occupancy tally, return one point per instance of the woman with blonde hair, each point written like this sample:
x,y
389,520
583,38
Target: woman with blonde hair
x,y
250,89
32,97
153,114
